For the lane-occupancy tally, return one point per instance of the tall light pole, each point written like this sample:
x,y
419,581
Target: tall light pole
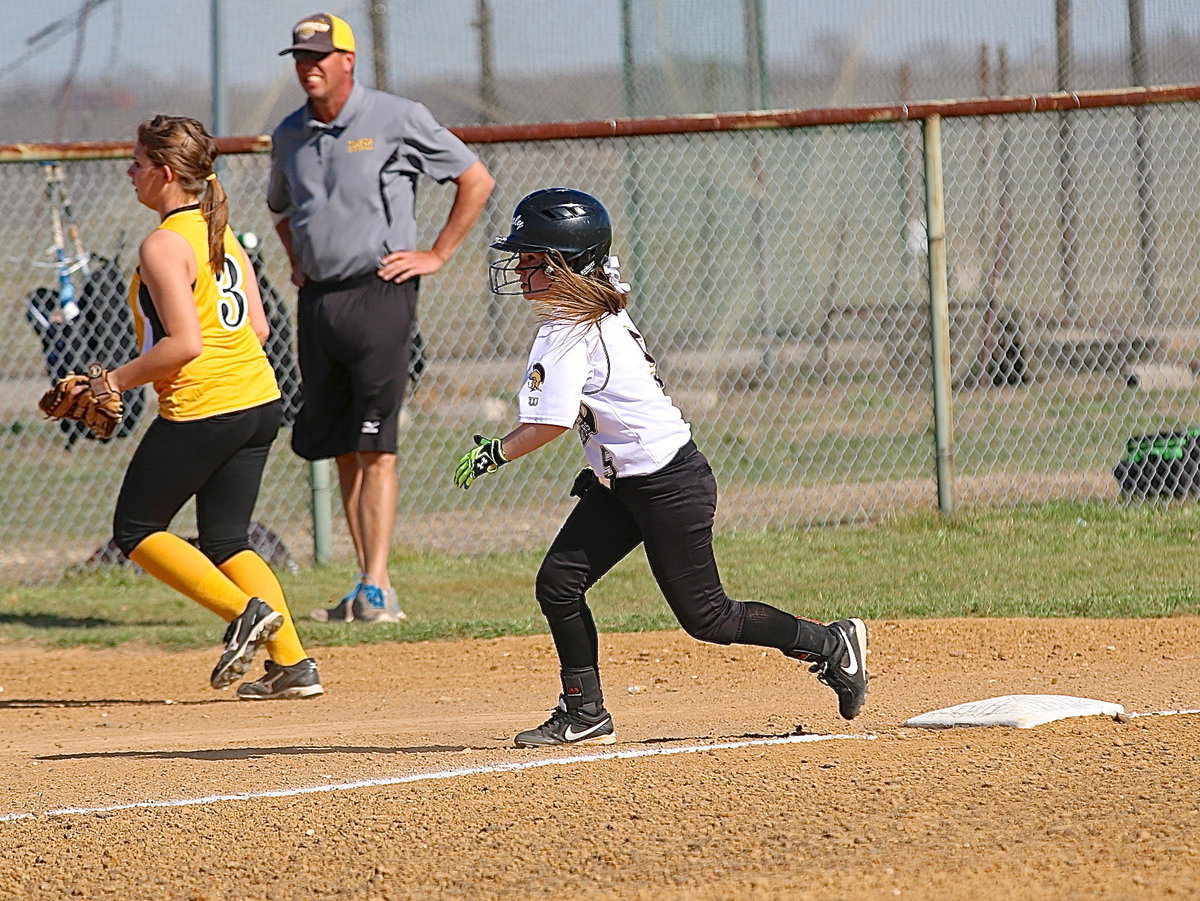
x,y
487,64
489,112
758,79
633,171
218,126
1068,176
628,81
757,97
1144,164
379,46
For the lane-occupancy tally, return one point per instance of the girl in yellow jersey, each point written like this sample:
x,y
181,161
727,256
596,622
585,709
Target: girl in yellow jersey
x,y
201,327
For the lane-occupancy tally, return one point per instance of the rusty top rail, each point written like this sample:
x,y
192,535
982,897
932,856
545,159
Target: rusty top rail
x,y
114,150
847,115
704,122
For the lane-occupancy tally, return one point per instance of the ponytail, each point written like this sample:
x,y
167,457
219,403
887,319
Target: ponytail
x,y
214,206
579,299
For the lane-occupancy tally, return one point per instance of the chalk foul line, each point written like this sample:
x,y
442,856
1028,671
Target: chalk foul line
x,y
504,767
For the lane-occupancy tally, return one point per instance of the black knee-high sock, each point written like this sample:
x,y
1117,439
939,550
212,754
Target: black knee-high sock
x,y
576,640
769,627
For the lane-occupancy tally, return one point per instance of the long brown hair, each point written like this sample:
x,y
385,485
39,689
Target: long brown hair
x,y
582,300
183,145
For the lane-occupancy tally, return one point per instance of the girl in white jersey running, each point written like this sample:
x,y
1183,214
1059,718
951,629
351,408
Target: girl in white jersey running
x,y
648,483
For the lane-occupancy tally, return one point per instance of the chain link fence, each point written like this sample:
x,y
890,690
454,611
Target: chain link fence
x,y
90,70
781,279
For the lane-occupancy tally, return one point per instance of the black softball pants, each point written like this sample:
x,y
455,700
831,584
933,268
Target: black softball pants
x,y
219,461
671,512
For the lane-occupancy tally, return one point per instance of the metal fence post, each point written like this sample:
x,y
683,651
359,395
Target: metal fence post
x,y
939,312
322,509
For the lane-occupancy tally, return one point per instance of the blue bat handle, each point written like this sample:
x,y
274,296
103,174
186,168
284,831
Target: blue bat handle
x,y
66,289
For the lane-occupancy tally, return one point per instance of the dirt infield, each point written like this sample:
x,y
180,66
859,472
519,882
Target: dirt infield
x,y
1082,808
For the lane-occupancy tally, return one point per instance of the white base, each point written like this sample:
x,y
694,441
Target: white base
x,y
1018,711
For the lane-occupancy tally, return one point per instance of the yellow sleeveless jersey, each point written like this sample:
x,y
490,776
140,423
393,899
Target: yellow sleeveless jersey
x,y
232,372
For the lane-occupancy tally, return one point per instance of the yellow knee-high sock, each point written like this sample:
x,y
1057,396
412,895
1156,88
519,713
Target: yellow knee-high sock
x,y
174,562
252,574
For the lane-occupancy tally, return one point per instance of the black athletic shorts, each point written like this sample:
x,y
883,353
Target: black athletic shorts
x,y
355,340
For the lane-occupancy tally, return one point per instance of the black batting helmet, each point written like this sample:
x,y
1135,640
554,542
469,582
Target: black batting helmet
x,y
570,222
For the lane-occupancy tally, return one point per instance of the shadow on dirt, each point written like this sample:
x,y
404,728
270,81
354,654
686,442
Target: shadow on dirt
x,y
249,753
17,703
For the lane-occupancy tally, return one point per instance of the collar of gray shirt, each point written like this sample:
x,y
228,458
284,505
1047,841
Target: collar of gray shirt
x,y
345,115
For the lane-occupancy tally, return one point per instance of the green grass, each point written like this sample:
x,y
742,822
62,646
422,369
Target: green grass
x,y
1060,559
860,430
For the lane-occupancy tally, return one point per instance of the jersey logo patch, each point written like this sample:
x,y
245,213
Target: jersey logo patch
x,y
536,377
641,343
360,144
585,423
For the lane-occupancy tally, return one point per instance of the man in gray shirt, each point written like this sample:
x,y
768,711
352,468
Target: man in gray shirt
x,y
344,170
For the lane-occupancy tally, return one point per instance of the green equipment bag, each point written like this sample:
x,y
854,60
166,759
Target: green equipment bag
x,y
1162,465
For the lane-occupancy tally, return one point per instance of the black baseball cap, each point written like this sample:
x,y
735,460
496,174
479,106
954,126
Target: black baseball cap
x,y
321,33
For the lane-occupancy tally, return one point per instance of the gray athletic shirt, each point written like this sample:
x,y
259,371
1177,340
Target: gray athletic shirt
x,y
349,188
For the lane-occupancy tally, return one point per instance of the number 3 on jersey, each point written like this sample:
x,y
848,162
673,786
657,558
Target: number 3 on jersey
x,y
232,308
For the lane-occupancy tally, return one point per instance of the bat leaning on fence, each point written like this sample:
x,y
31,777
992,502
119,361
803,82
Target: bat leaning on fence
x,y
61,215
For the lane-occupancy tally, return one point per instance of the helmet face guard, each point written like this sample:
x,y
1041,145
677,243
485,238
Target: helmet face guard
x,y
559,222
504,274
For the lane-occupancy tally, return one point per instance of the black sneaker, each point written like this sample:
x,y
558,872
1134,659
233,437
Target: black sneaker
x,y
846,672
244,636
570,727
342,612
300,680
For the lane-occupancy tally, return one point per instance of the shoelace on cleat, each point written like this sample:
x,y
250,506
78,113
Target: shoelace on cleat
x,y
555,715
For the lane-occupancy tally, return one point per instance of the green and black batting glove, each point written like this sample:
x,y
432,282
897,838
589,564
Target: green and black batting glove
x,y
487,457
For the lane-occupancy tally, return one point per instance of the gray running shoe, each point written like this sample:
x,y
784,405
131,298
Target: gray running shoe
x,y
846,672
243,637
377,605
570,727
300,680
342,612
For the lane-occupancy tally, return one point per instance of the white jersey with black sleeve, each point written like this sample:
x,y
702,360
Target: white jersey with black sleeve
x,y
602,381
